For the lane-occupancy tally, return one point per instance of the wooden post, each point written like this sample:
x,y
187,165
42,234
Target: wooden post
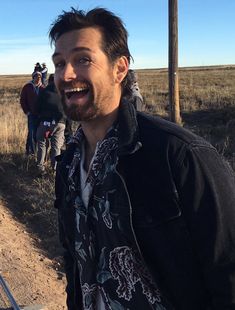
x,y
173,62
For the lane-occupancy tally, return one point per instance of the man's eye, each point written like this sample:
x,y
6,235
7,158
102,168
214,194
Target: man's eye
x,y
59,64
84,61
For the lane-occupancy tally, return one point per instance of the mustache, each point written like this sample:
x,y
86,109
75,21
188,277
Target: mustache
x,y
72,84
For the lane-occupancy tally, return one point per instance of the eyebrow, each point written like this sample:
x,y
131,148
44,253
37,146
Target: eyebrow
x,y
74,50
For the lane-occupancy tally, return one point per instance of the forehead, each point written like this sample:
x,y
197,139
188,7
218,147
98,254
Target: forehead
x,y
90,38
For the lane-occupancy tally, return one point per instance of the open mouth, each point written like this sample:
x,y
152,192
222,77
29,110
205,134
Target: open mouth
x,y
79,92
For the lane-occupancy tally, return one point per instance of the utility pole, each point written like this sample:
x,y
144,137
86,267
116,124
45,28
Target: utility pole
x,y
173,62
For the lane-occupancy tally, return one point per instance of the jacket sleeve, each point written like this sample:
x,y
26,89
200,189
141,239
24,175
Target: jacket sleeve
x,y
206,189
24,100
70,265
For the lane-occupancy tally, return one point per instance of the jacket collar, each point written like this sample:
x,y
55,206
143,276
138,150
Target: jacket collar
x,y
128,131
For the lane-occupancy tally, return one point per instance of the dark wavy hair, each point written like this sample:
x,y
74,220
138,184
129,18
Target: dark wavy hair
x,y
114,34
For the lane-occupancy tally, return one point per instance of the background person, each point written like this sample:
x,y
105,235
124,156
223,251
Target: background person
x,y
28,99
37,67
134,91
51,126
146,208
44,72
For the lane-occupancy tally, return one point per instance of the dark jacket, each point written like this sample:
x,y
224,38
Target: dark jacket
x,y
182,196
49,106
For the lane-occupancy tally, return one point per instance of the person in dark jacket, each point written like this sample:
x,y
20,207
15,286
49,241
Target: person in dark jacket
x,y
28,99
146,208
134,91
51,125
37,67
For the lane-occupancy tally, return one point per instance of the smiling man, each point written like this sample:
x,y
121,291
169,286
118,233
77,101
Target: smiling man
x,y
146,208
95,92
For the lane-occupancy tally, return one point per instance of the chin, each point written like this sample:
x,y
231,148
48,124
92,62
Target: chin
x,y
79,115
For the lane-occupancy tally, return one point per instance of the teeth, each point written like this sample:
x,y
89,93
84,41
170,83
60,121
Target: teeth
x,y
77,89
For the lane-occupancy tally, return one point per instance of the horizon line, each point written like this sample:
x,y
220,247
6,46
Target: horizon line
x,y
201,67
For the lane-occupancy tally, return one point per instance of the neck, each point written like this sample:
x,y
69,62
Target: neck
x,y
94,131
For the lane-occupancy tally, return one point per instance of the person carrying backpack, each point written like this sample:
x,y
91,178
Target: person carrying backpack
x,y
51,125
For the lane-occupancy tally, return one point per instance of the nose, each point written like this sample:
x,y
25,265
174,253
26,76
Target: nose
x,y
68,73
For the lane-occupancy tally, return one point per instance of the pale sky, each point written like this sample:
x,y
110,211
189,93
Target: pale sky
x,y
206,31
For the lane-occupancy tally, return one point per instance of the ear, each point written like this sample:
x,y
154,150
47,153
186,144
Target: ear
x,y
120,69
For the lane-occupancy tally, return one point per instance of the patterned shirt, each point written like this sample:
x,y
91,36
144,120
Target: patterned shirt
x,y
112,271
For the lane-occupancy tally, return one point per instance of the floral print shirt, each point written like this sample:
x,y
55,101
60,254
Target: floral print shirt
x,y
113,274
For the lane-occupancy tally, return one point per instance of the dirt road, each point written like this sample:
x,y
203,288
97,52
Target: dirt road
x,y
30,275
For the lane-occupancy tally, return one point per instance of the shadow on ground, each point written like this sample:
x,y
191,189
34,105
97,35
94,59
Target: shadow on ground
x,y
30,200
209,117
215,125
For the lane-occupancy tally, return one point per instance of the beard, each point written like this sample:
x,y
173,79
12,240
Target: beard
x,y
94,104
78,113
74,111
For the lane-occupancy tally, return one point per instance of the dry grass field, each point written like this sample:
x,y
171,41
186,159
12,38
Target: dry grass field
x,y
201,88
207,101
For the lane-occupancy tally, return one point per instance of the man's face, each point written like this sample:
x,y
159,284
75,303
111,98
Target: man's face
x,y
88,83
37,79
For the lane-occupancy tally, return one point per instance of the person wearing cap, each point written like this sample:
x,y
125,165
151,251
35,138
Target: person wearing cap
x,y
37,67
28,98
44,73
